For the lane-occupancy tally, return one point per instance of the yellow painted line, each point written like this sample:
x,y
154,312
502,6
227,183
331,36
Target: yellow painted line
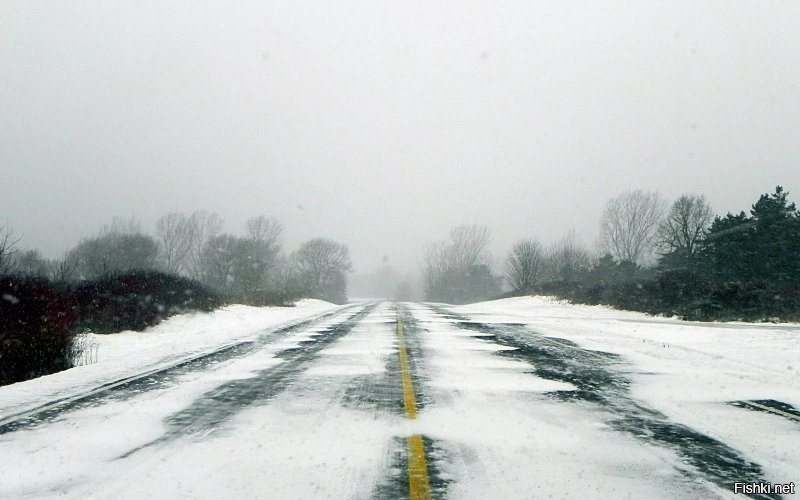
x,y
419,487
405,374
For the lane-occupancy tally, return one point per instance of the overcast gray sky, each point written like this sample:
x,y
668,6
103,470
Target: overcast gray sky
x,y
384,124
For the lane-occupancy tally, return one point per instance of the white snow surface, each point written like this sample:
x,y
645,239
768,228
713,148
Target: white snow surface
x,y
127,353
302,444
496,433
687,370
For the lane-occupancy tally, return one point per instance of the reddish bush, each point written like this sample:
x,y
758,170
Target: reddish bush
x,y
35,336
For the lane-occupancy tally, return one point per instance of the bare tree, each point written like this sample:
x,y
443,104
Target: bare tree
x,y
285,281
459,270
63,270
241,267
525,265
322,264
265,233
320,255
266,230
8,249
629,223
218,262
685,225
174,233
30,264
203,226
258,254
119,247
469,246
120,225
435,265
566,259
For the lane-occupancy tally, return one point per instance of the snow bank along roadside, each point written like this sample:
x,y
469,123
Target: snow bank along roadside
x,y
126,353
689,371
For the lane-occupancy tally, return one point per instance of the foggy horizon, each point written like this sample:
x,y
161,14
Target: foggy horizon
x,y
385,126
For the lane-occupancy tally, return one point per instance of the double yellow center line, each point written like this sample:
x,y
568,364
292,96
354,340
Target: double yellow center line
x,y
418,485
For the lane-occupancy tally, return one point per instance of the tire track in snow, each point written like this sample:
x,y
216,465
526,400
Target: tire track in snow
x,y
778,408
161,377
597,382
209,412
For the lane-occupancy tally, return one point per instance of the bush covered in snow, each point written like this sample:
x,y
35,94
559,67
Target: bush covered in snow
x,y
134,301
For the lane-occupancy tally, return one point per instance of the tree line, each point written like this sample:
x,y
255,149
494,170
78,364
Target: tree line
x,y
250,268
677,259
460,269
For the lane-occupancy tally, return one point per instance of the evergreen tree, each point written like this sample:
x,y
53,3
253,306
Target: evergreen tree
x,y
762,247
776,238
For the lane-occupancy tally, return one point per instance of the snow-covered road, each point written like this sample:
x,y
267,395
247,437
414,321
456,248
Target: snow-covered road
x,y
518,398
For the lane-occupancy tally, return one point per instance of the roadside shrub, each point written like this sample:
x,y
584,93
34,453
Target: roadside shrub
x,y
689,295
136,300
35,335
282,298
